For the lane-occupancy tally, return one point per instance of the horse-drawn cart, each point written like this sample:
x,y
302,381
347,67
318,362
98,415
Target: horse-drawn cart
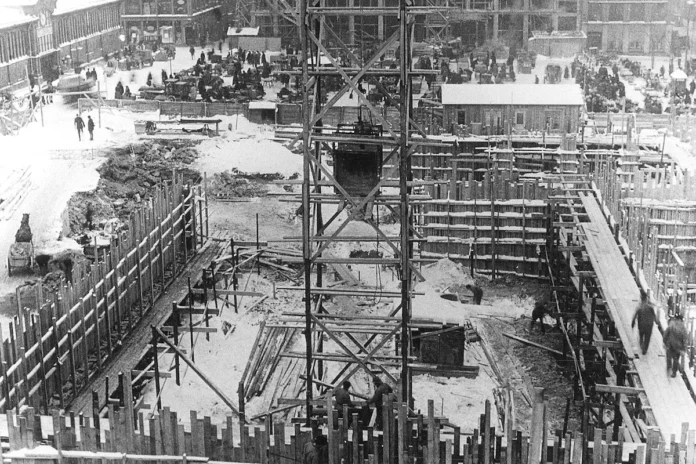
x,y
21,255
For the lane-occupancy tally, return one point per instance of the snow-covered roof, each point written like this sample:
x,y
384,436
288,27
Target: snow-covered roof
x,y
262,105
66,6
559,35
10,17
243,31
512,94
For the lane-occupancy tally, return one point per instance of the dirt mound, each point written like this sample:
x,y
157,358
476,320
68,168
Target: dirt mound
x,y
128,178
446,273
134,170
88,207
238,184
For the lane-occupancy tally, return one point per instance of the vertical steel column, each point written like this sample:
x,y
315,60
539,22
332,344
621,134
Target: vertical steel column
x,y
306,232
405,96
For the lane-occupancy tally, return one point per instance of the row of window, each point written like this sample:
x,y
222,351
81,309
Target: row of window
x,y
81,24
627,12
553,118
14,44
163,7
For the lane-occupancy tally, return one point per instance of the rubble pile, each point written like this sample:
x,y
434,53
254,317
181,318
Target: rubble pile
x,y
87,209
128,177
239,184
131,172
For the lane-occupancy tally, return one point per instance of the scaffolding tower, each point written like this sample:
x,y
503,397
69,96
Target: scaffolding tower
x,y
395,146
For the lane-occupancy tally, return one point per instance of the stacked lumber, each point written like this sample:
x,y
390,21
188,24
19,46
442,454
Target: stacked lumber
x,y
264,358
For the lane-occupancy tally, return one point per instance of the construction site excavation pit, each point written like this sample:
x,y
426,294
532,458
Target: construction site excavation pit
x,y
252,341
237,321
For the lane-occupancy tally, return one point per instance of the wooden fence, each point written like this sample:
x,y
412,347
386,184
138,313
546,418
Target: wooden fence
x,y
407,437
170,108
287,113
52,352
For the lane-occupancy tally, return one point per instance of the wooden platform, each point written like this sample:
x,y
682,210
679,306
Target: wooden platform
x,y
669,398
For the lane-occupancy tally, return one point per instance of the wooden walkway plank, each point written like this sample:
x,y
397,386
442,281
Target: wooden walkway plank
x,y
669,397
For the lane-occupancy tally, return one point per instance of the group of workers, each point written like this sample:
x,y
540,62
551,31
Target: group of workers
x,y
674,338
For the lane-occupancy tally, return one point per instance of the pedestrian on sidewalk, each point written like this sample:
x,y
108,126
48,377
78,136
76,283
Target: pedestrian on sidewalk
x,y
90,127
79,125
645,315
675,340
192,51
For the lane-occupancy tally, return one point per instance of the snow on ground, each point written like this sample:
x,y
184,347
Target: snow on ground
x,y
247,148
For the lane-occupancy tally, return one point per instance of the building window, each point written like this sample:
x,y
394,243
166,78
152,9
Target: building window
x,y
616,12
658,12
165,7
636,12
133,7
519,118
567,23
594,12
461,117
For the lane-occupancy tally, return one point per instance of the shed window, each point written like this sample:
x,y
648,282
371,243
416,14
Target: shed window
x,y
461,117
519,118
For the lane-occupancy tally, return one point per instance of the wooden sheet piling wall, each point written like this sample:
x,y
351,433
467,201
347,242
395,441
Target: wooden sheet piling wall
x,y
51,351
502,223
406,438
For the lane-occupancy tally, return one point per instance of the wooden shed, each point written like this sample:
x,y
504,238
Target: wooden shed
x,y
557,44
488,109
247,38
262,112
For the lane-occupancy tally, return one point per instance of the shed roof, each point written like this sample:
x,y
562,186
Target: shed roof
x,y
512,94
262,105
243,31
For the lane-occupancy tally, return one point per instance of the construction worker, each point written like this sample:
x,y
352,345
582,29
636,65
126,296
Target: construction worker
x,y
540,310
381,390
478,293
645,315
675,340
316,451
343,397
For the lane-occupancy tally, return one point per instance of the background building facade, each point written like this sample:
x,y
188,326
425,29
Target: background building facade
x,y
40,37
191,21
636,27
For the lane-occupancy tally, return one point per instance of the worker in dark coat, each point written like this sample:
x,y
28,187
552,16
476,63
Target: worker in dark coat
x,y
343,398
381,390
118,93
478,293
675,340
90,127
540,310
645,315
316,451
79,125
